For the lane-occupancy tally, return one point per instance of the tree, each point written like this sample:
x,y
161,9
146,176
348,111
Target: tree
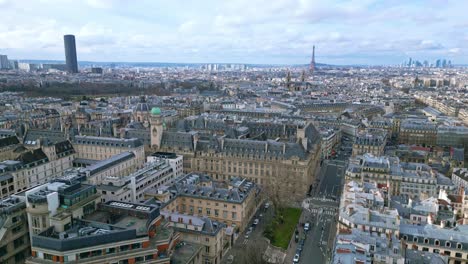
x,y
253,254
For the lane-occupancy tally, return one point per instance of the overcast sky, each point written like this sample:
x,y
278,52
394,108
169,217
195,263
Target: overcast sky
x,y
243,31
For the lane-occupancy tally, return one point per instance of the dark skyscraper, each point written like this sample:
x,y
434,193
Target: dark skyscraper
x,y
70,53
312,62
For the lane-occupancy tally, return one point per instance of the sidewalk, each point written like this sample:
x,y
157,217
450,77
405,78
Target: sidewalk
x,y
292,244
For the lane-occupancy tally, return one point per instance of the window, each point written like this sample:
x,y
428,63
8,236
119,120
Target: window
x,y
18,242
437,242
447,244
50,257
207,249
3,251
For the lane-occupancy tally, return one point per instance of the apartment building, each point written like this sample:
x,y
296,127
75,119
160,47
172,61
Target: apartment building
x,y
118,165
9,147
132,187
174,160
202,230
116,232
330,139
418,132
362,207
415,180
101,148
360,247
371,141
460,178
35,167
233,204
452,243
58,203
14,235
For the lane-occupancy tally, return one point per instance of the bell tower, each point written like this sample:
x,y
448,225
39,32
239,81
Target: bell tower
x,y
156,127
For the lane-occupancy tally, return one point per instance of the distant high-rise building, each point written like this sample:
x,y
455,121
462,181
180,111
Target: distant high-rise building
x,y
98,70
312,62
70,53
4,62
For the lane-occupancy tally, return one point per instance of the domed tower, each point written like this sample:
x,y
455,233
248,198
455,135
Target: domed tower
x,y
142,111
156,123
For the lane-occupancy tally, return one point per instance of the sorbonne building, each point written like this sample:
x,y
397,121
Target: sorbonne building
x,y
285,165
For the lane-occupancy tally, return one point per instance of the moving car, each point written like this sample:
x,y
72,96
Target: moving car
x,y
267,205
230,259
307,226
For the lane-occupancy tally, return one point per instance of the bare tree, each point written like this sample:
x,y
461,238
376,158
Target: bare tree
x,y
253,254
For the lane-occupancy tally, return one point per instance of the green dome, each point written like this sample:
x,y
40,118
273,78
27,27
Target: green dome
x,y
155,111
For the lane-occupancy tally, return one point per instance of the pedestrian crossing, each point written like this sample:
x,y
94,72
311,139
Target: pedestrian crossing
x,y
245,241
321,199
322,212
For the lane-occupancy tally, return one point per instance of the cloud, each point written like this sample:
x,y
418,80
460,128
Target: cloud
x,y
258,31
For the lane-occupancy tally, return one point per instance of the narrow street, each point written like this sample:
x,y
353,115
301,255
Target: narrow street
x,y
321,211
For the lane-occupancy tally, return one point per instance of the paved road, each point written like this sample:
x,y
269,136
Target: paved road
x,y
255,238
321,211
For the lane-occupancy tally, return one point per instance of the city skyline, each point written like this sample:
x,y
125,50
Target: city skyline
x,y
283,32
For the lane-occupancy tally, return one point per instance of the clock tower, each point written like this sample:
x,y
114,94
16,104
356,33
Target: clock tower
x,y
156,127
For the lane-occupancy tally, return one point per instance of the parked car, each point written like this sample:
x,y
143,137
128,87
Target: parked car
x,y
247,234
296,258
256,221
230,259
300,248
296,237
307,226
302,242
267,205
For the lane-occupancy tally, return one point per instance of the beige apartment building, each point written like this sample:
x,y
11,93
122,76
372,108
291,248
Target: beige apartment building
x,y
35,167
371,141
208,233
233,205
14,235
100,148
